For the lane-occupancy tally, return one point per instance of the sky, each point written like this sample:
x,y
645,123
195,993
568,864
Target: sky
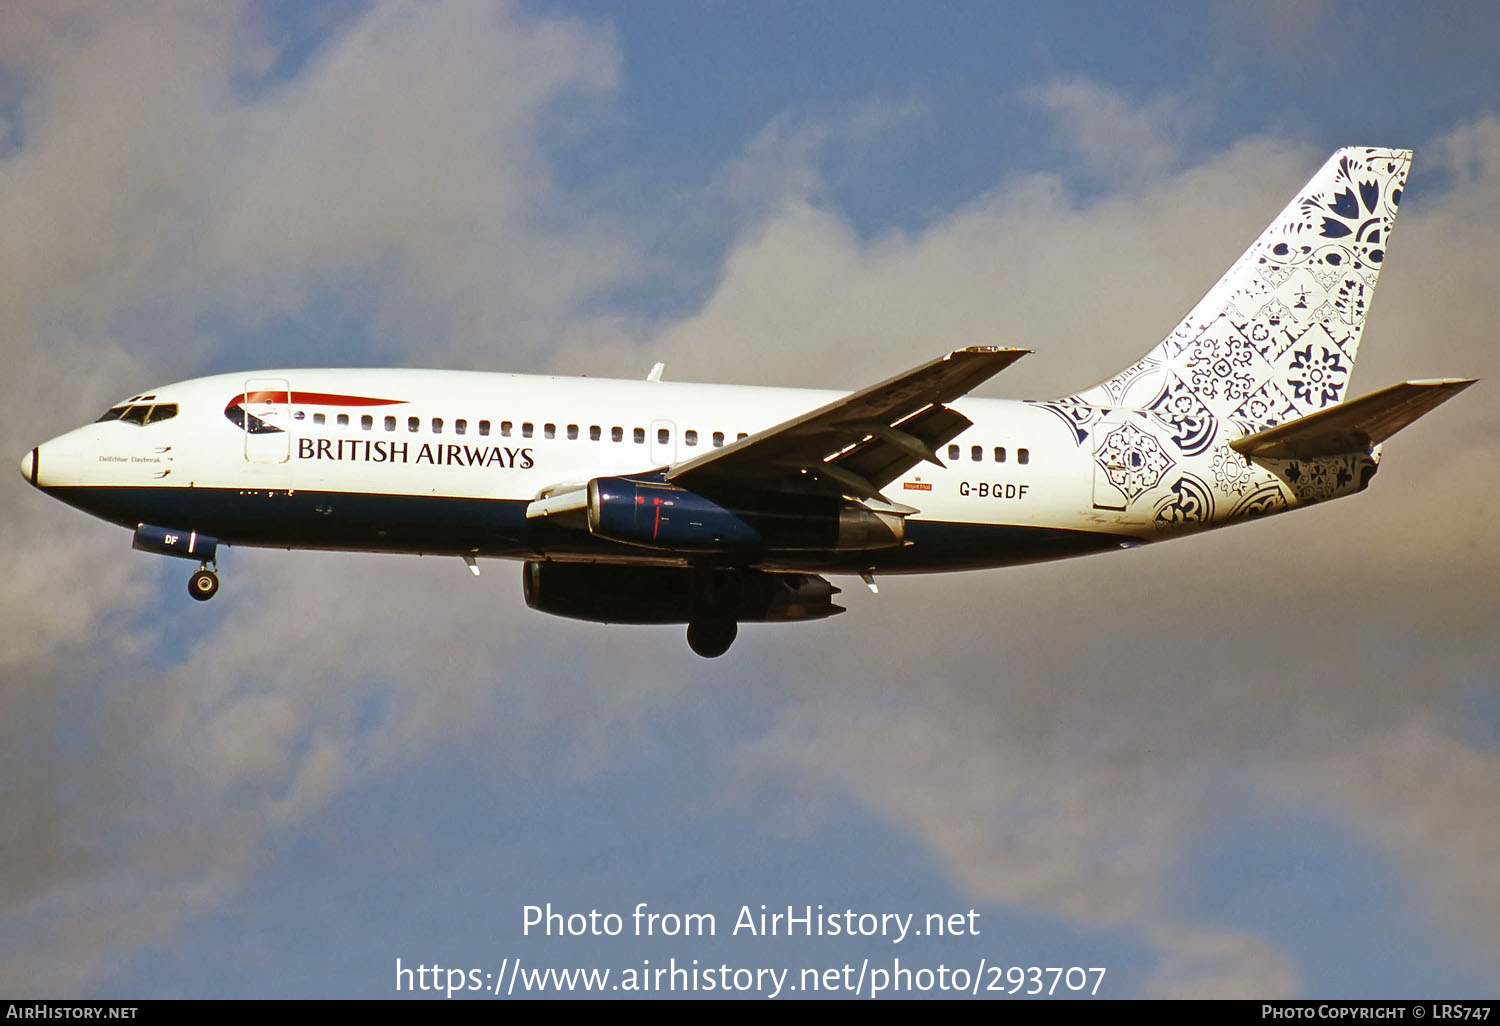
x,y
1263,762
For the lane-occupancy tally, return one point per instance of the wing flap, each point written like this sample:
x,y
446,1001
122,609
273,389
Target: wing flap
x,y
1352,426
884,459
860,443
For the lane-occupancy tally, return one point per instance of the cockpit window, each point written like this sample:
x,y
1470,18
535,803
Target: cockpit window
x,y
140,414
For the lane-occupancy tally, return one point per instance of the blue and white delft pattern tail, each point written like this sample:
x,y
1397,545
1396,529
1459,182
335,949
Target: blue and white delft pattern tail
x,y
1274,340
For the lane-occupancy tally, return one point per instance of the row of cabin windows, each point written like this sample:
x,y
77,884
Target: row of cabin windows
x,y
596,433
528,429
976,453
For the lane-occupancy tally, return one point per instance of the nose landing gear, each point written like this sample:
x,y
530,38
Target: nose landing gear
x,y
186,543
204,584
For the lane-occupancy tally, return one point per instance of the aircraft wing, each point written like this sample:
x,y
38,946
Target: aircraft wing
x,y
858,444
1352,426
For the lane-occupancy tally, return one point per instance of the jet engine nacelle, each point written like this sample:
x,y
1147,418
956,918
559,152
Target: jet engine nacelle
x,y
660,515
606,593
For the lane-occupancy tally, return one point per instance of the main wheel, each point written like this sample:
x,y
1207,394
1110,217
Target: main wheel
x,y
711,638
203,585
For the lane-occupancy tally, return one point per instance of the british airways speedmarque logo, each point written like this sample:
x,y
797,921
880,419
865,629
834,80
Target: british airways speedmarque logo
x,y
236,414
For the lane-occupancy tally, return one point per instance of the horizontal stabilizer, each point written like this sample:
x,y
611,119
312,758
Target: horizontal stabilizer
x,y
1352,426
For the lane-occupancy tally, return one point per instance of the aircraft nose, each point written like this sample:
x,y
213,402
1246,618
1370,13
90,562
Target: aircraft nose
x,y
29,464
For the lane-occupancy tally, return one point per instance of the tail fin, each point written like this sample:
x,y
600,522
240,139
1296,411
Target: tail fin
x,y
1276,338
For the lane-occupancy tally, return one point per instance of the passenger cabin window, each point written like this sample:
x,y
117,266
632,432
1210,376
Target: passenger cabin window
x,y
1023,456
460,426
999,454
663,436
414,423
505,427
572,432
390,423
343,420
976,453
690,437
718,439
549,430
367,422
617,434
526,429
740,435
640,435
437,425
484,427
594,432
953,452
318,418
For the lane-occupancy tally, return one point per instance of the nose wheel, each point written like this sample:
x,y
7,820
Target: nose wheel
x,y
204,584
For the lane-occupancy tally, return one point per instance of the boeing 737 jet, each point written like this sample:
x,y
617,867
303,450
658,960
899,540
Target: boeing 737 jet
x,y
712,505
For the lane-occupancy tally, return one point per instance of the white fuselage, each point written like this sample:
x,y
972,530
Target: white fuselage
x,y
357,439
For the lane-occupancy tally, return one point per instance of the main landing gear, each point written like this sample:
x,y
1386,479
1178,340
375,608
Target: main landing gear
x,y
711,625
711,637
204,584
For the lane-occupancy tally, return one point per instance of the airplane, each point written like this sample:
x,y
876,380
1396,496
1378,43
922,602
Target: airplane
x,y
653,501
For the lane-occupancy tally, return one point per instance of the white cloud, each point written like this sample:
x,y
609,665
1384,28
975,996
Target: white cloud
x,y
1051,734
1220,965
1115,140
150,193
408,157
1088,285
404,164
1063,732
1427,795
